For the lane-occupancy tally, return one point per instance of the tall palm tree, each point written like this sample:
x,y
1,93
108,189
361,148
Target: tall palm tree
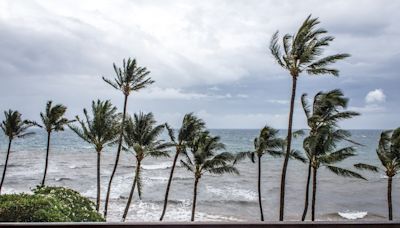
x,y
204,159
53,120
191,125
326,154
141,135
389,154
13,127
327,109
301,53
131,78
100,130
267,143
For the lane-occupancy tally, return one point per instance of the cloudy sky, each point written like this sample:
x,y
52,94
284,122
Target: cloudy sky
x,y
207,57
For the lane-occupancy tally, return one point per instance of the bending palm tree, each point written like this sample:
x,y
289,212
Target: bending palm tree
x,y
267,143
191,125
100,130
205,160
53,120
129,79
141,135
389,154
325,111
300,55
13,127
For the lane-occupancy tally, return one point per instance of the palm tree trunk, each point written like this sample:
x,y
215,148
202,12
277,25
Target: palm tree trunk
x,y
288,149
5,164
314,193
194,198
116,158
98,181
128,204
47,158
307,193
169,184
389,198
259,188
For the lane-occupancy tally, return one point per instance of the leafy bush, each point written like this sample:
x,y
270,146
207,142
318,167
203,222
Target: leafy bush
x,y
48,204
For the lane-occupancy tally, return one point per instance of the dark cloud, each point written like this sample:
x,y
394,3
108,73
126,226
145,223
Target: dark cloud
x,y
207,57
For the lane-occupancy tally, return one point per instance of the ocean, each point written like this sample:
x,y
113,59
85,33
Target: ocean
x,y
220,198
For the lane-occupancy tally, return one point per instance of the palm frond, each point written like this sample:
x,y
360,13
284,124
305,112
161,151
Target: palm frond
x,y
344,172
187,166
224,169
242,155
368,167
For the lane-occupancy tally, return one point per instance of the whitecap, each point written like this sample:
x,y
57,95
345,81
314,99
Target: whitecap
x,y
232,193
353,214
164,165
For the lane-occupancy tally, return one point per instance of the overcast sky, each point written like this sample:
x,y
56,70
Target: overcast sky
x,y
207,57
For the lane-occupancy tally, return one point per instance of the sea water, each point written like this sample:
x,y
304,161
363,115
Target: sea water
x,y
72,163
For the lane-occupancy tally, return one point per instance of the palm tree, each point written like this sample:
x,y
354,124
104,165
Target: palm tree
x,y
300,54
325,153
141,135
389,154
267,143
204,159
100,130
129,79
327,110
13,127
53,120
191,125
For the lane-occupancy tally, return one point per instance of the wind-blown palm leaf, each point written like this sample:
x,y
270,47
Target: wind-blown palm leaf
x,y
344,172
242,155
368,167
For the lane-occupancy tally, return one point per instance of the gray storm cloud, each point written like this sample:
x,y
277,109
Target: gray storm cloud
x,y
59,50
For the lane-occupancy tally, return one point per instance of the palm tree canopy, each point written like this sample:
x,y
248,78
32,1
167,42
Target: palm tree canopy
x,y
102,128
130,77
141,134
204,157
53,118
268,142
302,50
13,125
389,151
191,126
327,108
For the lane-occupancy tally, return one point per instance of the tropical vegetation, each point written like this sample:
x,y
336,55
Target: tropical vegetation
x,y
13,127
321,145
48,204
191,126
388,152
101,130
203,157
53,120
130,78
301,54
141,135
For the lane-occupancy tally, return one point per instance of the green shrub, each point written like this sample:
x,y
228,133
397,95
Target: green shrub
x,y
48,204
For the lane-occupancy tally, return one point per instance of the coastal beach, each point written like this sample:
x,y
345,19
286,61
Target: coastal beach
x,y
220,198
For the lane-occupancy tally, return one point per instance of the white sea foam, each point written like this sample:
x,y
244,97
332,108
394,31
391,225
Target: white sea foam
x,y
159,179
353,214
232,193
145,211
164,165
